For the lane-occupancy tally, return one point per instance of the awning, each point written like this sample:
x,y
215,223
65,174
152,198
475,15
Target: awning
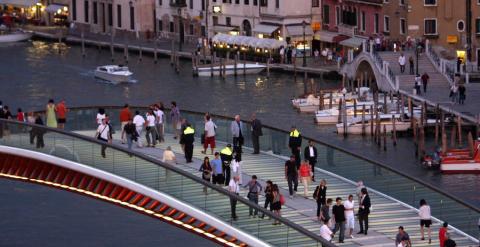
x,y
326,36
353,42
298,30
223,29
265,29
20,3
248,41
53,8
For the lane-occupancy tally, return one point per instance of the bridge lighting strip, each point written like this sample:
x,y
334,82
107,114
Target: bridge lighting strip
x,y
127,204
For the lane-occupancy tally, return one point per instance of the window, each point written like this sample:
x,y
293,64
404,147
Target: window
x,y
95,13
74,10
228,21
203,4
403,26
246,2
237,1
477,25
110,14
315,3
363,18
215,20
386,24
86,11
171,27
277,4
430,26
160,2
119,15
264,3
337,15
376,23
401,2
430,2
160,25
326,14
255,2
460,26
191,4
132,18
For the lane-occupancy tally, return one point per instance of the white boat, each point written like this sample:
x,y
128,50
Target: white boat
x,y
16,36
330,116
355,125
114,73
250,68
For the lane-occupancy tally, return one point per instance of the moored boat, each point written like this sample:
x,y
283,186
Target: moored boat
x,y
461,160
355,126
16,36
249,68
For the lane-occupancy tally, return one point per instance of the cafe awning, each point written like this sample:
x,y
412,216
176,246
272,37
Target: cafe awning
x,y
248,41
295,31
19,3
53,8
353,42
265,29
326,36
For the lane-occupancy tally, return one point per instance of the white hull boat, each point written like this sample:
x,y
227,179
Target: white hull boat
x,y
355,125
114,73
250,68
18,36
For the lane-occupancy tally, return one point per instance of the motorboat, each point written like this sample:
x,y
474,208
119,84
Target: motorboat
x,y
355,125
15,36
461,160
331,116
114,73
249,68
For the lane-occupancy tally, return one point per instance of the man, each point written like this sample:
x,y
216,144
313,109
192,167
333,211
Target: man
x,y
159,120
237,130
295,143
349,214
425,79
402,61
412,65
61,114
216,164
338,211
442,234
256,133
226,154
233,187
187,138
325,231
125,115
139,123
359,188
151,130
364,211
402,237
418,84
311,154
209,134
254,189
291,175
103,134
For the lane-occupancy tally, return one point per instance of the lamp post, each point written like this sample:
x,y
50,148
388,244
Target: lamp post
x,y
417,54
304,44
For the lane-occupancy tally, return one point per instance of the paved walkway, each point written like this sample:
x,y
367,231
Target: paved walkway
x,y
386,216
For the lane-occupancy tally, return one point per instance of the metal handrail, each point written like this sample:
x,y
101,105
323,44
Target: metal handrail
x,y
177,170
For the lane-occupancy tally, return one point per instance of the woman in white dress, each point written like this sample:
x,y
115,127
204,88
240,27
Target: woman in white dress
x,y
236,168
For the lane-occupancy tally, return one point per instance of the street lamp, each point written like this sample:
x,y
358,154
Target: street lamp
x,y
304,44
419,48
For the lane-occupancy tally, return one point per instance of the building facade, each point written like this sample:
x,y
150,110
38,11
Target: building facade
x,y
395,20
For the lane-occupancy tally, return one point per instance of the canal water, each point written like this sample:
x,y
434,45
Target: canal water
x,y
33,72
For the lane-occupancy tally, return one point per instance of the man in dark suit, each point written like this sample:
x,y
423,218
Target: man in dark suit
x,y
310,154
256,133
364,211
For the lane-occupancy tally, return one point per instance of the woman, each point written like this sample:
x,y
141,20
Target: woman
x,y
320,195
50,112
169,158
268,196
103,134
175,115
206,170
100,115
236,168
276,205
305,176
425,219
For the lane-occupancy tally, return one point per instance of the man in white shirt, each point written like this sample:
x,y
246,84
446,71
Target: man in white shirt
x,y
349,214
139,123
209,134
234,187
151,129
402,61
159,116
325,231
103,134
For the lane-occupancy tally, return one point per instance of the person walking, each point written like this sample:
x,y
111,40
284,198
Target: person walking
x,y
418,84
234,188
159,120
61,114
291,175
51,115
349,205
254,190
320,196
130,133
461,94
449,242
268,196
100,115
402,61
282,55
425,219
364,211
276,203
454,92
402,238
175,116
169,156
237,130
256,133
338,212
325,212
305,176
188,138
325,231
425,78
295,143
236,168
125,117
226,154
37,132
310,153
151,130
209,140
207,171
139,122
103,134
442,234
412,65
217,167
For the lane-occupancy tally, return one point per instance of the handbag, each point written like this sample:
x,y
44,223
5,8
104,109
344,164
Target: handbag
x,y
207,175
99,136
282,200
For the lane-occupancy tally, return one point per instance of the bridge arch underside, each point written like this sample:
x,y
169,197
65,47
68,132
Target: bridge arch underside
x,y
48,174
365,76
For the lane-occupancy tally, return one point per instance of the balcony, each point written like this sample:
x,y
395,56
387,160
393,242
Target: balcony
x,y
347,30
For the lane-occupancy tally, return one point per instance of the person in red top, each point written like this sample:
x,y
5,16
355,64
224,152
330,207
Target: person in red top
x,y
61,114
125,115
20,115
305,172
442,234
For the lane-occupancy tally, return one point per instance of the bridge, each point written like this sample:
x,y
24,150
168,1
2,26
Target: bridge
x,y
72,161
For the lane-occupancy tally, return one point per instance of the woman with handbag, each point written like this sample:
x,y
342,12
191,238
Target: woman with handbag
x,y
103,134
206,170
305,172
320,196
276,205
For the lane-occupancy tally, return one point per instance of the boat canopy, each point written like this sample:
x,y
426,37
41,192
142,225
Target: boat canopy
x,y
248,41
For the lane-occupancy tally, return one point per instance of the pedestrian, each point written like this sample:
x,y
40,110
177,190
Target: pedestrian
x,y
320,196
291,175
442,234
425,78
100,116
461,94
449,241
151,130
207,171
50,114
217,171
20,115
378,43
188,138
295,143
139,122
254,190
364,211
237,131
402,61
103,134
61,114
325,231
418,85
175,116
159,120
256,133
129,133
276,203
454,92
459,64
268,196
282,54
310,153
305,173
38,132
226,154
294,55
209,140
125,117
349,205
412,65
289,55
338,212
402,238
169,156
236,168
425,219
234,188
316,53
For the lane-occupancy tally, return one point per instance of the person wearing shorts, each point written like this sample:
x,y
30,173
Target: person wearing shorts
x,y
349,215
425,219
209,134
61,114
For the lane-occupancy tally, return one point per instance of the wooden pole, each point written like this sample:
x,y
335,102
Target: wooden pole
x,y
244,63
410,110
305,86
112,50
354,107
459,129
340,106
415,136
372,120
235,65
453,137
224,69
378,129
421,146
177,62
402,107
442,122
363,120
125,50
385,104
330,100
155,56
268,68
172,53
140,51
344,113
384,138
394,134
444,142
470,144
321,100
